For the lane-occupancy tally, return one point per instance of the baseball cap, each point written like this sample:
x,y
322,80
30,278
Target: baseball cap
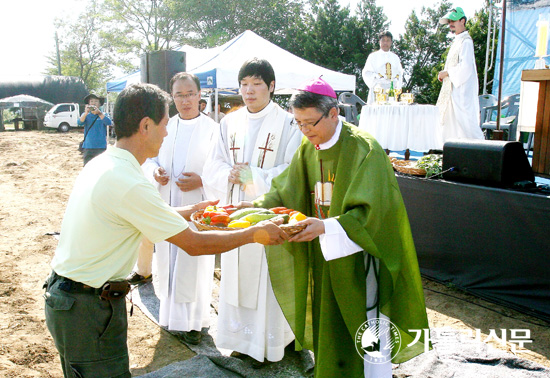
x,y
454,14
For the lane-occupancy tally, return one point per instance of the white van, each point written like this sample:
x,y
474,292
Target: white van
x,y
62,117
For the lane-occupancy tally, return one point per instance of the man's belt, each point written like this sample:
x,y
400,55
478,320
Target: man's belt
x,y
108,291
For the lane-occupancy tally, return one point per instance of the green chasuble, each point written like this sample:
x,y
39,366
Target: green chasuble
x,y
325,303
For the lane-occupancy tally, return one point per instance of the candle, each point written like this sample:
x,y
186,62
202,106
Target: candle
x,y
542,36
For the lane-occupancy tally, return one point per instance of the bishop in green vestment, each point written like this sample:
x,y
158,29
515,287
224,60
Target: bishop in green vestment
x,y
356,255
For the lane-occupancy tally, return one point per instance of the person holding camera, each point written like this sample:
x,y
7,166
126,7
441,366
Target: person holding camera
x,y
95,127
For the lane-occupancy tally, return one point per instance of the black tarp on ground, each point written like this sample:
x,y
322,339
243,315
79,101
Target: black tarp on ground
x,y
54,89
491,242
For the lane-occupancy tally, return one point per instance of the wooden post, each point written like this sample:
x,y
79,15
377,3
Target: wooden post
x,y
541,147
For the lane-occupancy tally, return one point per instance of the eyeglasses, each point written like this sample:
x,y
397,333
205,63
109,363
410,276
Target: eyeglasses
x,y
181,97
308,125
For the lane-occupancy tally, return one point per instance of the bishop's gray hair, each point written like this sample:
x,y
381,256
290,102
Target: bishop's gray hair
x,y
302,100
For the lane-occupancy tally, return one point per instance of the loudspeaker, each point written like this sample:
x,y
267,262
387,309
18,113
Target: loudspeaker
x,y
486,162
158,67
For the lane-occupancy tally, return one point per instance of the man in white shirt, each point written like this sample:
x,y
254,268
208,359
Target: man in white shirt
x,y
458,99
111,209
256,143
382,67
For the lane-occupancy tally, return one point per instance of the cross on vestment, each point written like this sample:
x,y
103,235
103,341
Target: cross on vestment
x,y
234,149
265,149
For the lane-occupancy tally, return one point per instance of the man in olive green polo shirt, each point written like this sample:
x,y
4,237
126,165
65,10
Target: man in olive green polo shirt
x,y
111,208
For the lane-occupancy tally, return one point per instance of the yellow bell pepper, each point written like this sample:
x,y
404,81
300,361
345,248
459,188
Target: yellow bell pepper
x,y
239,224
298,217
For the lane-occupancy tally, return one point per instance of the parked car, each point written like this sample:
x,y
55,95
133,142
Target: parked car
x,y
62,117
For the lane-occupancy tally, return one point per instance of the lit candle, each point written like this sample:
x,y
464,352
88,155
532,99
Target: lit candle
x,y
542,36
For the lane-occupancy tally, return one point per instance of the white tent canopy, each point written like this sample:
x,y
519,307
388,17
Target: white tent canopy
x,y
218,67
221,69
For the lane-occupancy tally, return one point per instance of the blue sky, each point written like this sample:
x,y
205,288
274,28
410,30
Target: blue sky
x,y
27,30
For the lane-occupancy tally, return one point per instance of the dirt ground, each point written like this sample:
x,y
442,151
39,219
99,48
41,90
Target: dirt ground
x,y
37,172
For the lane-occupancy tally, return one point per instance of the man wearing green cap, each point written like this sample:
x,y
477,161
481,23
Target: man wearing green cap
x,y
458,99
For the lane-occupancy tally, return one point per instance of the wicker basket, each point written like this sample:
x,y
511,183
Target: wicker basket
x,y
407,166
197,216
292,230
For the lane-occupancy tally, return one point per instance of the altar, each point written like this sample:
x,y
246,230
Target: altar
x,y
403,127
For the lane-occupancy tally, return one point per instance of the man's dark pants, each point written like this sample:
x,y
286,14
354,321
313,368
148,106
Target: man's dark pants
x,y
90,153
89,333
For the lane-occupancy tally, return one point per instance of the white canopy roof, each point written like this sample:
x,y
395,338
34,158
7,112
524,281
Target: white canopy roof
x,y
218,67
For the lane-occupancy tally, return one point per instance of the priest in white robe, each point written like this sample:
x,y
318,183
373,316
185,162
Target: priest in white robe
x,y
458,101
185,281
256,143
382,67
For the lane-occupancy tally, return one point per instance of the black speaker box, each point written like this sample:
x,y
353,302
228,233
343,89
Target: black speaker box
x,y
486,162
158,67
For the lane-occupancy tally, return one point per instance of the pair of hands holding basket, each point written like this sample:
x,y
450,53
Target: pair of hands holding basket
x,y
296,226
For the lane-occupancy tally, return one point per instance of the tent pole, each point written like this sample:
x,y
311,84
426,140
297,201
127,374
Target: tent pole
x,y
216,115
498,134
490,24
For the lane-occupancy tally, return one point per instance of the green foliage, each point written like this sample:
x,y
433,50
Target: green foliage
x,y
10,114
83,52
432,164
214,22
147,25
332,37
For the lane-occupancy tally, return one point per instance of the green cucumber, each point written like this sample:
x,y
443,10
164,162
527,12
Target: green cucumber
x,y
247,210
284,217
258,217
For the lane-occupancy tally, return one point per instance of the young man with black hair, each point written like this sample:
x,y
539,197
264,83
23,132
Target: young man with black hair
x,y
111,208
256,143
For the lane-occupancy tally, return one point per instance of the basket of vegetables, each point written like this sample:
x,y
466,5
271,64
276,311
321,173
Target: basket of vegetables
x,y
407,166
228,218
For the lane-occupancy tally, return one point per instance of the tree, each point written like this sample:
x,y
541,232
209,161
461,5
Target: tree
x,y
147,25
371,21
214,22
331,37
84,53
422,49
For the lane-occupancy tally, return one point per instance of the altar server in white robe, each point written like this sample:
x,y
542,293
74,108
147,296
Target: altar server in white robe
x,y
185,281
256,143
458,99
382,67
